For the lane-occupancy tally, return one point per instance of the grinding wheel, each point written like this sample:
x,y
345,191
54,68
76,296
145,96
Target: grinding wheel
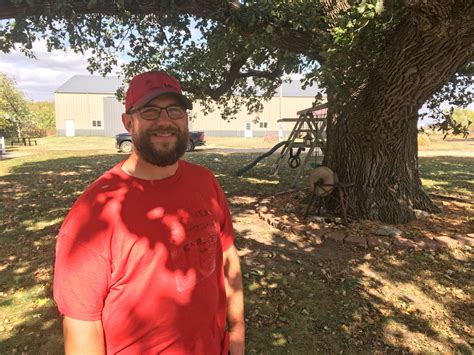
x,y
322,175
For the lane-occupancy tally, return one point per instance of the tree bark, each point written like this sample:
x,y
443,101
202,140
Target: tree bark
x,y
387,186
372,139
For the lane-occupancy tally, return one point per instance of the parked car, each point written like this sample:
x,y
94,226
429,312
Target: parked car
x,y
123,141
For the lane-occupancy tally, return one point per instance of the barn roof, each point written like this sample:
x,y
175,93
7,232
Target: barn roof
x,y
90,84
293,88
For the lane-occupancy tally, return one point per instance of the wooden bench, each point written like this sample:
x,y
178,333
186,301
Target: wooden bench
x,y
24,140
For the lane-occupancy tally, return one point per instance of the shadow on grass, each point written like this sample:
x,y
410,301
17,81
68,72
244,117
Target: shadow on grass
x,y
448,175
336,299
300,298
35,198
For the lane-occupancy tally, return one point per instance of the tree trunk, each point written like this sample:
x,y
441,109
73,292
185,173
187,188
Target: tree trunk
x,y
18,129
372,139
387,186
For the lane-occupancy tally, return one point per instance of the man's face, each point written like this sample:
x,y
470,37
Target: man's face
x,y
162,141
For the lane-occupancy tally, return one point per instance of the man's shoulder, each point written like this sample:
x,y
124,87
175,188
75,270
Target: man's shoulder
x,y
108,183
100,198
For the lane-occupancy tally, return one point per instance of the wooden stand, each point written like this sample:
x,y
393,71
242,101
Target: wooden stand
x,y
341,197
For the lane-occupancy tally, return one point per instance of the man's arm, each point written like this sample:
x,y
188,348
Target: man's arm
x,y
235,301
83,337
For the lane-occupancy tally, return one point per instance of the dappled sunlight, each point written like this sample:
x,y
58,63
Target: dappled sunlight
x,y
249,201
396,332
19,270
414,306
30,311
279,339
448,175
404,297
36,195
69,173
376,290
49,324
433,183
40,225
396,263
301,297
261,181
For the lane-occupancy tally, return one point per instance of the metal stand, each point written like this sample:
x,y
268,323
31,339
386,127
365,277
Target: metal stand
x,y
342,198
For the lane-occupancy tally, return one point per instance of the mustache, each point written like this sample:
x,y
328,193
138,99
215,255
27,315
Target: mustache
x,y
171,130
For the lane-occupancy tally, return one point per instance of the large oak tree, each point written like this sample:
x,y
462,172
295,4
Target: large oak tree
x,y
379,62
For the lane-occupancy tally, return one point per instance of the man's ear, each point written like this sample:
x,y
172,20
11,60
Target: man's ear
x,y
127,121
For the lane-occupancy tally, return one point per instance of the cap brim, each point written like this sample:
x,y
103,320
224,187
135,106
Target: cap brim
x,y
145,100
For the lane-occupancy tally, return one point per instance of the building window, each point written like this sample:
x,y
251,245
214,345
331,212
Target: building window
x,y
96,123
263,124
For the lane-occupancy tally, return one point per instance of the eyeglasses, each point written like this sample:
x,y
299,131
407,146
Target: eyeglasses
x,y
152,113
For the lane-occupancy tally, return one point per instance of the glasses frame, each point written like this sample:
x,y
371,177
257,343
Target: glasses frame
x,y
158,110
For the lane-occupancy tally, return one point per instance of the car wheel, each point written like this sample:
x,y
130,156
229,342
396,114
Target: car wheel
x,y
126,147
190,146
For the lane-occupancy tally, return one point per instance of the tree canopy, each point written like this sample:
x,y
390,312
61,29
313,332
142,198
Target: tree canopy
x,y
216,47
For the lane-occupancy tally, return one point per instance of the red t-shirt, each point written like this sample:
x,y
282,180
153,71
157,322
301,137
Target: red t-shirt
x,y
145,257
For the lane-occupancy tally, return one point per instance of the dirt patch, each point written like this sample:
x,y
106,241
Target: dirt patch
x,y
388,300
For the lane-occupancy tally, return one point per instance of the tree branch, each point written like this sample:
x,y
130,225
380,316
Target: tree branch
x,y
232,75
260,74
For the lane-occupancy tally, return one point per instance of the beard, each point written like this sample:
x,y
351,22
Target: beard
x,y
161,153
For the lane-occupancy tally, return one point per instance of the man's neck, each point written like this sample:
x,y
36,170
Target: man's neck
x,y
137,167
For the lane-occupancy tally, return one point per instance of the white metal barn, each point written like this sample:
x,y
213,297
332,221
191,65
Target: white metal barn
x,y
86,106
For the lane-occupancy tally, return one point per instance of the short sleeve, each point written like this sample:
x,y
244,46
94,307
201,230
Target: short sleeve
x,y
81,280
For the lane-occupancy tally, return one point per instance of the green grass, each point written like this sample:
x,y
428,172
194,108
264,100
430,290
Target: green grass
x,y
292,307
68,143
448,175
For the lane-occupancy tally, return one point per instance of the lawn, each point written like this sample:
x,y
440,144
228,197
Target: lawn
x,y
301,298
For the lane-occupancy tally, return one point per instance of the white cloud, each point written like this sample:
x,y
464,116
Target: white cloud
x,y
38,78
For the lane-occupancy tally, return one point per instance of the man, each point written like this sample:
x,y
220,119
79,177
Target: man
x,y
145,261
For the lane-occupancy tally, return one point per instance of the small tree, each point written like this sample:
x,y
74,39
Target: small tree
x,y
15,115
43,114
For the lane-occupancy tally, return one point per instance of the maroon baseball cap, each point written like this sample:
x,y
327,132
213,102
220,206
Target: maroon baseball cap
x,y
147,86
